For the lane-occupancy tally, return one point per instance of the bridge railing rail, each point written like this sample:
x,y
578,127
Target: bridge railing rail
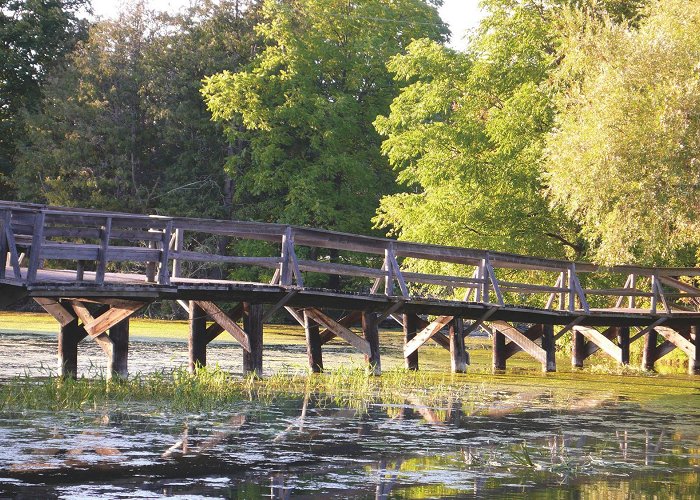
x,y
32,234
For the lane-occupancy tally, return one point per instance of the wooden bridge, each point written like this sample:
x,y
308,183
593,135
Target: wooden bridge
x,y
92,270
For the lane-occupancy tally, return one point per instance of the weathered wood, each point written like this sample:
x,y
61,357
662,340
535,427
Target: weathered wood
x,y
410,327
228,324
351,338
578,348
533,333
498,350
105,235
197,345
115,315
253,326
313,344
694,363
601,340
163,269
370,330
623,339
119,335
69,336
525,343
279,305
177,248
37,242
347,321
550,364
459,359
55,309
186,255
649,350
677,339
424,335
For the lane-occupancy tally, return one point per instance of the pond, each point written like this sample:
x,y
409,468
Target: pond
x,y
520,434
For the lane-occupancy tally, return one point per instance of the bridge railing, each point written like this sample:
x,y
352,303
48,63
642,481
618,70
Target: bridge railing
x,y
156,248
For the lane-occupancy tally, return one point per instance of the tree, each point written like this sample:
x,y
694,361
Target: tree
x,y
624,156
123,126
35,35
303,110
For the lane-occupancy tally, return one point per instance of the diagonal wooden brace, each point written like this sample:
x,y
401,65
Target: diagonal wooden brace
x,y
424,335
677,340
347,321
215,329
512,348
225,322
521,340
600,341
356,341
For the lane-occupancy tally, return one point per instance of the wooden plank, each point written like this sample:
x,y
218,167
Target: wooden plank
x,y
82,312
225,322
178,247
511,348
294,314
105,234
314,352
347,321
677,339
186,255
357,342
163,269
592,348
215,329
494,282
253,326
646,329
115,315
568,327
395,307
424,335
602,341
525,343
396,271
196,346
549,347
370,330
37,242
279,305
55,309
664,348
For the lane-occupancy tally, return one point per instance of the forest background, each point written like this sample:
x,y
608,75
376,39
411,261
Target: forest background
x,y
565,128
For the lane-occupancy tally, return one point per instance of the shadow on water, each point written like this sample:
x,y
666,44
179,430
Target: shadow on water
x,y
304,447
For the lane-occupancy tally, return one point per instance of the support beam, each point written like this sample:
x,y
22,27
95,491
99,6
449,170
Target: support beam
x,y
499,351
347,321
410,327
197,345
578,348
313,343
226,322
525,343
533,333
601,340
370,330
69,336
55,309
215,329
677,339
354,340
118,362
253,326
459,359
425,334
550,364
649,351
623,339
694,364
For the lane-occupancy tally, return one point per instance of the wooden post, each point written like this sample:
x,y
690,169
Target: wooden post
x,y
649,351
119,335
549,348
370,330
253,326
68,338
623,339
458,353
410,328
313,344
197,342
694,363
578,348
499,351
151,265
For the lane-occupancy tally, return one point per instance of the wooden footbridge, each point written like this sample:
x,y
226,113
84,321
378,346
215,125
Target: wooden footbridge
x,y
92,270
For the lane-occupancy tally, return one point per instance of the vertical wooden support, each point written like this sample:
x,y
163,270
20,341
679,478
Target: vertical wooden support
x,y
623,339
68,338
119,335
253,326
649,351
499,351
549,347
694,363
179,246
313,344
458,354
197,342
105,233
410,328
35,253
578,348
370,330
151,265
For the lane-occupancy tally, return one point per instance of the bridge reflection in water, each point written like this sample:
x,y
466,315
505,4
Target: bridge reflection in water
x,y
93,270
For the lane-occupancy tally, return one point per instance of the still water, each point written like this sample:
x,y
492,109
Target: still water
x,y
534,441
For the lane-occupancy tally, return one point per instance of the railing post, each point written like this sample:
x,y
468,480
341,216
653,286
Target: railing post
x,y
37,241
163,271
285,265
572,287
389,280
485,297
4,245
179,245
653,294
633,285
105,234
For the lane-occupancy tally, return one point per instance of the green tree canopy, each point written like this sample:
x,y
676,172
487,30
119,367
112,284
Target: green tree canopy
x,y
35,35
123,126
624,158
303,111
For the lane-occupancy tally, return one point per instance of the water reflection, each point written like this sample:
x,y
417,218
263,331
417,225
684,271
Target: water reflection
x,y
504,445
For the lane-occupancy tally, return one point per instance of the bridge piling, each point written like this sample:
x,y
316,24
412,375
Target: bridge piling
x,y
253,326
694,362
499,351
313,344
69,337
458,354
649,350
623,339
118,362
197,346
370,330
578,348
410,329
550,364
